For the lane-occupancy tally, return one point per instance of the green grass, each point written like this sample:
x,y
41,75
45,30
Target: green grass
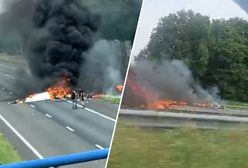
x,y
112,99
237,105
178,148
7,152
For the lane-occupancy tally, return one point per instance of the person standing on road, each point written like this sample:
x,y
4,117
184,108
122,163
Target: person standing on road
x,y
74,99
83,98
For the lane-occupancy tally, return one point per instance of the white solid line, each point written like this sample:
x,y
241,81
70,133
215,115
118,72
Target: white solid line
x,y
100,114
32,106
11,77
70,129
48,116
22,138
99,146
92,111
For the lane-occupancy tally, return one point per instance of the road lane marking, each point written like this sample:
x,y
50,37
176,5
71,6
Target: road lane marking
x,y
92,111
10,93
32,106
11,77
22,138
70,129
99,146
3,88
48,116
9,67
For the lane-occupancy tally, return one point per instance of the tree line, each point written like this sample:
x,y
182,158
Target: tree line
x,y
216,50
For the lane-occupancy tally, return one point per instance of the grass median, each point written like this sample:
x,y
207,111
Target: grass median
x,y
112,99
178,148
7,152
237,105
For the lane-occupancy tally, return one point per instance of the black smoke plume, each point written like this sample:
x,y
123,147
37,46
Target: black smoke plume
x,y
172,80
55,34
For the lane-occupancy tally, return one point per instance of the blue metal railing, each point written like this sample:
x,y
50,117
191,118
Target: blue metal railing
x,y
61,160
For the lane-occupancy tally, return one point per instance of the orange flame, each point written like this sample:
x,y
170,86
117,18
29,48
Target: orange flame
x,y
169,104
141,95
165,104
60,90
119,88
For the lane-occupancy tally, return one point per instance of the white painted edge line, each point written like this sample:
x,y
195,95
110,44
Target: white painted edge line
x,y
32,106
92,111
48,116
22,138
99,146
70,129
11,77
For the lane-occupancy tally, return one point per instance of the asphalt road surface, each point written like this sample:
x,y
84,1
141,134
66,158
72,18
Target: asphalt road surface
x,y
48,128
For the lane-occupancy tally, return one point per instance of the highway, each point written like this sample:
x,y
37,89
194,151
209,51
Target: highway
x,y
49,128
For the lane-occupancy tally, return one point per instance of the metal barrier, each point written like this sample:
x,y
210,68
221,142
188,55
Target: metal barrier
x,y
61,160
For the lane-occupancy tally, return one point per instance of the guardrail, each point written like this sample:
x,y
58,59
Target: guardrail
x,y
153,119
57,161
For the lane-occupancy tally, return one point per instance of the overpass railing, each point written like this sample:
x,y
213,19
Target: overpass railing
x,y
64,160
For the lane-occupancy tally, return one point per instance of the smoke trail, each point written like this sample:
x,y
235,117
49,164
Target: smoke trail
x,y
55,35
103,65
148,82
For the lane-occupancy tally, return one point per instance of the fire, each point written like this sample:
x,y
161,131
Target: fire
x,y
165,104
119,88
36,97
142,96
171,104
59,90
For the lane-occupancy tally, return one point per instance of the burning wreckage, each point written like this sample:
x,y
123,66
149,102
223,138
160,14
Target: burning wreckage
x,y
167,85
58,92
56,36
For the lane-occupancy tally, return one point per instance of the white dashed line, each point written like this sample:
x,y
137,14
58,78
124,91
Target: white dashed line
x,y
99,146
92,111
32,106
10,93
11,77
48,116
3,88
70,129
22,138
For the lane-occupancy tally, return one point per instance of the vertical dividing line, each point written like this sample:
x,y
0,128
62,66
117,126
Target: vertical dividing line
x,y
124,86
